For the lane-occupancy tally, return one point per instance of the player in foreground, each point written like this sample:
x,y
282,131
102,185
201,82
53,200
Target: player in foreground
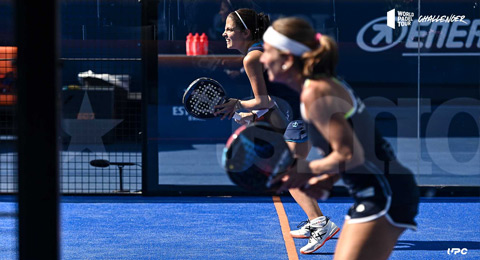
x,y
385,192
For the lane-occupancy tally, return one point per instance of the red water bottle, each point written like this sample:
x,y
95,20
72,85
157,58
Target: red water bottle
x,y
204,44
189,44
196,44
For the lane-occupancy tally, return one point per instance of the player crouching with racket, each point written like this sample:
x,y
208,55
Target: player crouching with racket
x,y
244,29
385,193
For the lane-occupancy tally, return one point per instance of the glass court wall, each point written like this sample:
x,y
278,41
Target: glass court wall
x,y
420,81
100,96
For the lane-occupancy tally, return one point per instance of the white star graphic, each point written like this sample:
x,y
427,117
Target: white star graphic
x,y
86,131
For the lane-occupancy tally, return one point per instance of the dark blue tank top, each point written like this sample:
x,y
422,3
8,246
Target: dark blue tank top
x,y
287,99
380,168
379,156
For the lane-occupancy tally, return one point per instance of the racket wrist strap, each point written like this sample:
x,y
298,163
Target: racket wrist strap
x,y
238,105
254,117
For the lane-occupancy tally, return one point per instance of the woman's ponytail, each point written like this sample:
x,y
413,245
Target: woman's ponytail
x,y
323,57
321,60
263,22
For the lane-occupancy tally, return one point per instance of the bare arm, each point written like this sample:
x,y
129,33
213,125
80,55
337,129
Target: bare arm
x,y
254,70
261,100
326,110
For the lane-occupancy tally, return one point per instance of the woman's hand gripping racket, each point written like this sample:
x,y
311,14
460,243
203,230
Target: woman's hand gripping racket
x,y
256,157
202,96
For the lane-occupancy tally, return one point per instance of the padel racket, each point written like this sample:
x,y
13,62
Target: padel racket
x,y
202,96
255,155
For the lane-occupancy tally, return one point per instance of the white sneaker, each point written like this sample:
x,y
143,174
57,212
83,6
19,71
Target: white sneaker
x,y
303,230
320,235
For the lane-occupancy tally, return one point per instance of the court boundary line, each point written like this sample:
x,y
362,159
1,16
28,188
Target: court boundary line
x,y
283,219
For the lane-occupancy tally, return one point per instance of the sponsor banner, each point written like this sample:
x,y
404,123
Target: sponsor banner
x,y
176,125
436,44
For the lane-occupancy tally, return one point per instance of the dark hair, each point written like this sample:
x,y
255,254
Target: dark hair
x,y
256,23
323,57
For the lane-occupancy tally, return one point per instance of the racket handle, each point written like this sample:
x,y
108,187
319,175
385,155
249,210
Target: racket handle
x,y
259,112
237,116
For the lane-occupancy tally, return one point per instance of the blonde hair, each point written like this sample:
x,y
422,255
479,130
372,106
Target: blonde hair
x,y
323,57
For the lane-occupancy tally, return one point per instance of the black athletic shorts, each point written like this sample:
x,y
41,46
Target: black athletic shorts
x,y
393,195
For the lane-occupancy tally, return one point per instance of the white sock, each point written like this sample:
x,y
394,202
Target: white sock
x,y
318,222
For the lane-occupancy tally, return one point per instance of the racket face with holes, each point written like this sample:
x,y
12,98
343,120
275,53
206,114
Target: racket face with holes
x,y
255,155
202,96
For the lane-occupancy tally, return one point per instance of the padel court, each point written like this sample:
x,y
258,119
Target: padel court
x,y
99,158
99,227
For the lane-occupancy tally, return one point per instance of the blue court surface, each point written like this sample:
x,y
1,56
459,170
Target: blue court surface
x,y
134,227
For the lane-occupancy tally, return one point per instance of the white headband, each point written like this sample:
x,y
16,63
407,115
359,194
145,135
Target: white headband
x,y
241,20
284,43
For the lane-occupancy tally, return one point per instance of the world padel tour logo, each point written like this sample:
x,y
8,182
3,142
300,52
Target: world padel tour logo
x,y
443,35
403,18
